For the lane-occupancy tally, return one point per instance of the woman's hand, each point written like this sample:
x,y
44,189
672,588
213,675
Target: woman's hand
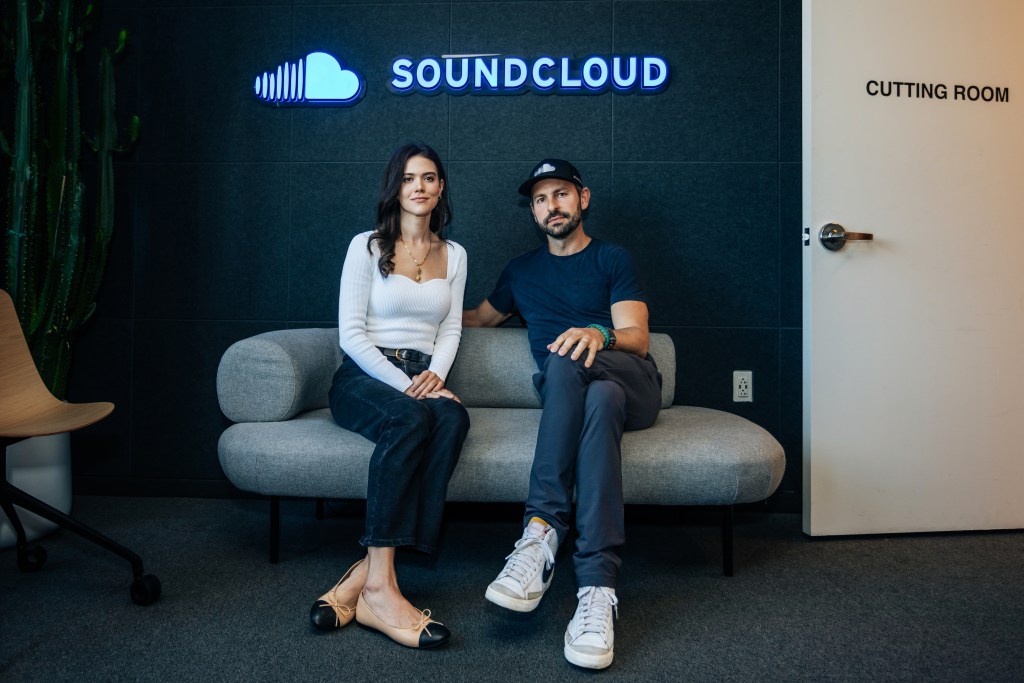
x,y
423,384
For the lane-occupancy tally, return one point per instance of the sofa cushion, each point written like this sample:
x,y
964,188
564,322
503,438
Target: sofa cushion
x,y
690,456
494,368
277,375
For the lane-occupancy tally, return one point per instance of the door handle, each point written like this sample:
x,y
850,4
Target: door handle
x,y
834,236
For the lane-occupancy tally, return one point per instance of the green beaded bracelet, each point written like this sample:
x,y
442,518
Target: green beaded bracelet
x,y
604,331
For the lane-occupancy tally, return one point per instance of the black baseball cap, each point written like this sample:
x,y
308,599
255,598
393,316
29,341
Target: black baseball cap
x,y
551,168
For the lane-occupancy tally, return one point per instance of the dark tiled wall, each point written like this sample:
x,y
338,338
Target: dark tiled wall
x,y
234,217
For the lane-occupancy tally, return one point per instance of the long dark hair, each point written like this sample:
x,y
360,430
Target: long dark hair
x,y
389,209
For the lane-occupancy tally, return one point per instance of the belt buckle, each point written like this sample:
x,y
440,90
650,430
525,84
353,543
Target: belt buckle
x,y
400,354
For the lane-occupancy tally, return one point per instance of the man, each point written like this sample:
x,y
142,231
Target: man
x,y
587,322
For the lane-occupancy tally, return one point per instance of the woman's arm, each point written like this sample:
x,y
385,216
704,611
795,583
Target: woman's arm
x,y
449,332
353,301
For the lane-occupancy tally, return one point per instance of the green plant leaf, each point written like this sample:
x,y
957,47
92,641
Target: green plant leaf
x,y
54,251
134,127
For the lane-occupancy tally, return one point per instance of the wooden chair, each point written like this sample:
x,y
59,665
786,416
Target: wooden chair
x,y
27,409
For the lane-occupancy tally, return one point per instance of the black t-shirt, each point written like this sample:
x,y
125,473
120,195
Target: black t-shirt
x,y
553,293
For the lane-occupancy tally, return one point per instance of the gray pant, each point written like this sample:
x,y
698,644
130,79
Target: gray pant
x,y
579,444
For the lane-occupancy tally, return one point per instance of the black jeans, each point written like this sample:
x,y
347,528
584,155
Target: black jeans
x,y
418,446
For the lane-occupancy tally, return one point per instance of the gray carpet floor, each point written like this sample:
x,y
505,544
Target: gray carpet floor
x,y
920,607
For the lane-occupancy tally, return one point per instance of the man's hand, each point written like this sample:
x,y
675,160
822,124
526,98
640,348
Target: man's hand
x,y
630,324
577,340
423,384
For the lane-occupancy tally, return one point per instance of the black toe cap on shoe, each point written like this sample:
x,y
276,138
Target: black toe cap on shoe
x,y
322,616
434,635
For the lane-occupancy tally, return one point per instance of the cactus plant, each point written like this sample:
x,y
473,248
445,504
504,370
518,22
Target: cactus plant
x,y
53,256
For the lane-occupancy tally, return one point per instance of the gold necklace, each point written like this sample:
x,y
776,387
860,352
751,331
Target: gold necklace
x,y
419,264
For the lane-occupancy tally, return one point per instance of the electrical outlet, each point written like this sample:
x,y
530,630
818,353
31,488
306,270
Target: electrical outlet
x,y
743,386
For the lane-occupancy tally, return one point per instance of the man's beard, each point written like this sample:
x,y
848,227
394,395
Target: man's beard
x,y
567,228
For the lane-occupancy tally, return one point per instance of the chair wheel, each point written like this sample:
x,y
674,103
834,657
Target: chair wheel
x,y
31,558
145,590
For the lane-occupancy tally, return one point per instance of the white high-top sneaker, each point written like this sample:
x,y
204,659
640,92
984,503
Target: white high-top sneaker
x,y
528,571
590,636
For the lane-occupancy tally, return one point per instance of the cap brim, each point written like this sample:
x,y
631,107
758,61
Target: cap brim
x,y
525,188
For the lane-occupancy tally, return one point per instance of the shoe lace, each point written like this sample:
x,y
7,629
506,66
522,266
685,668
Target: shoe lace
x,y
524,559
340,611
593,613
424,622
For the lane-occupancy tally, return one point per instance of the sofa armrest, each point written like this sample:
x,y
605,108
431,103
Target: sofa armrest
x,y
276,375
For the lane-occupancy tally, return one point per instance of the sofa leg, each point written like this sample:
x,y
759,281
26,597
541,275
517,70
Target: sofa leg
x,y
727,522
319,508
275,529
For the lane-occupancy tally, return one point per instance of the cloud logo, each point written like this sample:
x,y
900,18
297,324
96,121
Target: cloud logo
x,y
546,168
319,79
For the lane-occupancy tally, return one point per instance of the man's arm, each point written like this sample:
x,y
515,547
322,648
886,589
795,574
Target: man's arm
x,y
484,315
629,319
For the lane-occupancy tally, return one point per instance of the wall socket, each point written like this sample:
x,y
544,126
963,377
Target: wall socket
x,y
743,386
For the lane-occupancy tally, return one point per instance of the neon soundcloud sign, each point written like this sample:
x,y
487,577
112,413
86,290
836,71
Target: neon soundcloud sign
x,y
321,79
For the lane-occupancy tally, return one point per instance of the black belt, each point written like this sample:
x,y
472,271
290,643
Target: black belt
x,y
405,354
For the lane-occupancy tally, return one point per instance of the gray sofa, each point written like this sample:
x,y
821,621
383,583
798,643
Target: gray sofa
x,y
285,443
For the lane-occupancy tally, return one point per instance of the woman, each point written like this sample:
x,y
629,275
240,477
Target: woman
x,y
400,321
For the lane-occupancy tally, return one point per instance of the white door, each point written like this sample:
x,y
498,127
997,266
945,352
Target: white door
x,y
913,132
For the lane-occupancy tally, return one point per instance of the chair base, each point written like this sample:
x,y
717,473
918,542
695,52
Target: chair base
x,y
145,588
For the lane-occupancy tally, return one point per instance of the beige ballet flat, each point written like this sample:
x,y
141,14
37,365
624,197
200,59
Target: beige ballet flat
x,y
426,634
327,614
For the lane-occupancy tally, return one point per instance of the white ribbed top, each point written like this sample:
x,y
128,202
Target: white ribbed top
x,y
398,313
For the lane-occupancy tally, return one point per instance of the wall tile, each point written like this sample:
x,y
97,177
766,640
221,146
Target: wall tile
x,y
790,81
176,418
99,373
530,125
706,358
707,236
331,203
790,245
198,67
374,2
791,403
722,100
189,5
526,29
371,129
490,220
212,241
